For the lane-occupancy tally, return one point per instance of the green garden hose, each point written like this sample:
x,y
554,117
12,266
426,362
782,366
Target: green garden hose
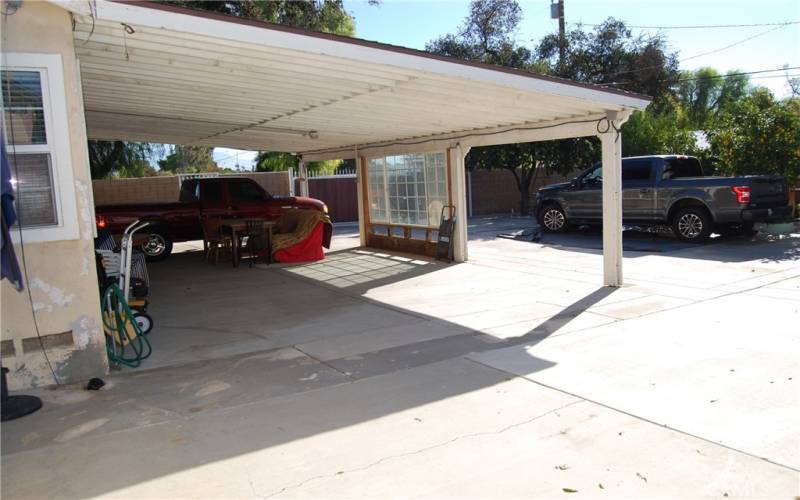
x,y
122,330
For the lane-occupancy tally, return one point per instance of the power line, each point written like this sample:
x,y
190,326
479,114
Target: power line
x,y
699,26
737,74
703,54
734,44
729,75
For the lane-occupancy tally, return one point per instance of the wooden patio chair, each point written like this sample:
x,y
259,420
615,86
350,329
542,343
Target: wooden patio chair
x,y
257,239
213,239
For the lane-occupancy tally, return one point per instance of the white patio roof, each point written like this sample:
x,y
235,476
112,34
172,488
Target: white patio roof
x,y
163,74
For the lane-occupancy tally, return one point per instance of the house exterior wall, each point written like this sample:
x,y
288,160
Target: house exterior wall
x,y
61,273
166,189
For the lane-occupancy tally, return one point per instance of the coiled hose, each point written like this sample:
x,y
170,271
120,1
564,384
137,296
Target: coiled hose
x,y
122,330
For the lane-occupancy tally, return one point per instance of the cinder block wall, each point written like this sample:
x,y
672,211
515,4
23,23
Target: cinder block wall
x,y
166,189
496,192
276,183
140,190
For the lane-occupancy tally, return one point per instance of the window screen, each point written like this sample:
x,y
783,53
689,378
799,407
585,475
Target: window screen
x,y
23,107
407,189
30,154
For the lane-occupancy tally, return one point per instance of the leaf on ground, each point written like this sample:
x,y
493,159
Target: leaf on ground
x,y
641,477
569,490
562,467
600,485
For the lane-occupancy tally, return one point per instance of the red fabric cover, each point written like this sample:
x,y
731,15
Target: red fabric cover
x,y
307,250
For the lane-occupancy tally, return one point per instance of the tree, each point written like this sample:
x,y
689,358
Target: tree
x,y
705,93
328,16
759,135
611,55
526,160
665,131
139,168
487,36
608,55
271,161
189,159
119,158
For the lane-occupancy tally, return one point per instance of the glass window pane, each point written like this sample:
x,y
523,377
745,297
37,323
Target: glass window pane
x,y
23,107
412,185
35,198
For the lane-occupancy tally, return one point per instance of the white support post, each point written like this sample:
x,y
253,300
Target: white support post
x,y
361,185
291,181
612,201
458,175
303,177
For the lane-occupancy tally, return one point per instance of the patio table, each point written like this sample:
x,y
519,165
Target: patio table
x,y
238,228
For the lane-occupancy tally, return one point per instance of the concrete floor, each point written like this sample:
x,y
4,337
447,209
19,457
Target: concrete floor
x,y
378,375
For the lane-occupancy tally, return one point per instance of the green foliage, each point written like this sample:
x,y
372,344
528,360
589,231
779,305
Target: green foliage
x,y
138,168
527,160
611,55
658,132
271,161
121,158
705,93
487,35
189,159
758,135
328,16
608,55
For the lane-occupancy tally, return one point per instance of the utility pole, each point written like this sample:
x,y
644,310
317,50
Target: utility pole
x,y
557,12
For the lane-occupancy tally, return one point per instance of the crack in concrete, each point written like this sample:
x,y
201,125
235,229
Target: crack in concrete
x,y
633,415
348,375
423,450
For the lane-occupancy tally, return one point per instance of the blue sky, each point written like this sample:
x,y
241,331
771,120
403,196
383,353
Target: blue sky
x,y
412,23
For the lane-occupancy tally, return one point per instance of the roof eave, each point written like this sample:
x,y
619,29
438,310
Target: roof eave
x,y
264,33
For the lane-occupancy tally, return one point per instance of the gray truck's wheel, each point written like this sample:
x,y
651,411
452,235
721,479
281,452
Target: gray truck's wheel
x,y
692,224
553,219
158,246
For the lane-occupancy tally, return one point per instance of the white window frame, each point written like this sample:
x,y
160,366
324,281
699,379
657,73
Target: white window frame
x,y
387,206
57,131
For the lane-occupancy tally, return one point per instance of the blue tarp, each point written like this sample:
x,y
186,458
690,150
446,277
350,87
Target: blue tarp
x,y
8,259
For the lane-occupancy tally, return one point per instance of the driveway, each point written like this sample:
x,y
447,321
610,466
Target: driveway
x,y
516,374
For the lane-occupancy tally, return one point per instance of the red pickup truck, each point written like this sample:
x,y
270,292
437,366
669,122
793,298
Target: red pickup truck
x,y
216,196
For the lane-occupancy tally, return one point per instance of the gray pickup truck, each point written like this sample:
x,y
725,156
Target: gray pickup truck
x,y
667,190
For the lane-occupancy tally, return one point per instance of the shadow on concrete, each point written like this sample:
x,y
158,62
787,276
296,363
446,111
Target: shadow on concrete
x,y
154,423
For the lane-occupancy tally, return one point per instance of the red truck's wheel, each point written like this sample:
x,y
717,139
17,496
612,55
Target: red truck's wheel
x,y
157,247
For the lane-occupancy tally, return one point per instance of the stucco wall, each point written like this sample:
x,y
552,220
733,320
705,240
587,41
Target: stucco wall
x,y
166,190
61,274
